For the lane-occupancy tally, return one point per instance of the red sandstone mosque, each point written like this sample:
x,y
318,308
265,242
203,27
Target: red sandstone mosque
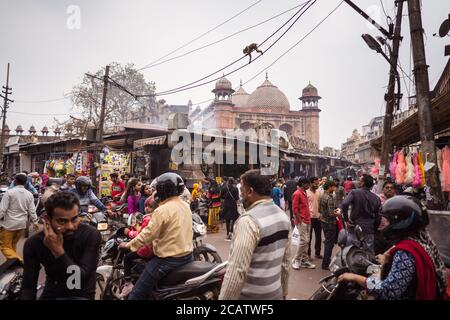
x,y
267,107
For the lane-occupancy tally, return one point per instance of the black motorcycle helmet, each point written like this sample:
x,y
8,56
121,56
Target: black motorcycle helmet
x,y
168,185
83,184
406,216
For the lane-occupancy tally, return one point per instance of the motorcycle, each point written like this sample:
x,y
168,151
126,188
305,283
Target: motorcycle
x,y
201,209
98,220
202,251
355,258
11,277
194,281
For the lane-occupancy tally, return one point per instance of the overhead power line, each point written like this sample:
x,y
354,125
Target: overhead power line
x,y
41,114
296,44
194,85
201,36
65,97
224,38
286,52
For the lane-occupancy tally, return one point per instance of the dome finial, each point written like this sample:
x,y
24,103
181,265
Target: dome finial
x,y
240,83
267,75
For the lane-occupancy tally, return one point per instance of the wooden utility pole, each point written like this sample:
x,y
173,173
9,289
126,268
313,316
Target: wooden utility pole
x,y
99,138
424,104
386,144
6,91
102,111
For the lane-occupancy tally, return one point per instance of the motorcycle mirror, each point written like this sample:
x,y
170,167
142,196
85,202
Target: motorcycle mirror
x,y
359,233
131,220
342,238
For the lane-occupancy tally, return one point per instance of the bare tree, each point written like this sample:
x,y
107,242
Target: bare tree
x,y
120,107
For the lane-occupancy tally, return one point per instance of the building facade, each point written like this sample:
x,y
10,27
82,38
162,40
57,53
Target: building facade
x,y
266,107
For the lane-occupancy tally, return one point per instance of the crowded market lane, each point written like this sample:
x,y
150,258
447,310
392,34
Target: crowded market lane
x,y
302,283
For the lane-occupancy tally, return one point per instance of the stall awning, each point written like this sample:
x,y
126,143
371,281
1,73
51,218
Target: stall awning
x,y
154,141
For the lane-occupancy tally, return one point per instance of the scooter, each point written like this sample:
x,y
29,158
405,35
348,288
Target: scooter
x,y
197,280
355,258
202,251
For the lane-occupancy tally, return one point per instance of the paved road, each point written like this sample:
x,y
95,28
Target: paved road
x,y
302,283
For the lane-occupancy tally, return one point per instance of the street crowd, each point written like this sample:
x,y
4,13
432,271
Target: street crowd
x,y
262,214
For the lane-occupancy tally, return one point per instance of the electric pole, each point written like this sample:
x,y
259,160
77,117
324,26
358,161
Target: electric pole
x,y
99,138
386,144
102,111
6,91
424,104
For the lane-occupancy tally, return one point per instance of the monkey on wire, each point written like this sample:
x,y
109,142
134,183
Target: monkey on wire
x,y
249,49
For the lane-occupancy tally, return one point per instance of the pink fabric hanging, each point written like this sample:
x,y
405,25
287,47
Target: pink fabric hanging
x,y
416,182
393,165
400,170
446,169
409,176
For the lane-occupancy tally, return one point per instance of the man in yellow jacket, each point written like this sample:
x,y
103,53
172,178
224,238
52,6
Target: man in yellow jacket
x,y
169,232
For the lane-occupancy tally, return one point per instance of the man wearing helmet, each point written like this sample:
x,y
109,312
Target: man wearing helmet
x,y
85,194
170,233
414,268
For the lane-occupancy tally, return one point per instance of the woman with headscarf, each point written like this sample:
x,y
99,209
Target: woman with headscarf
x,y
413,268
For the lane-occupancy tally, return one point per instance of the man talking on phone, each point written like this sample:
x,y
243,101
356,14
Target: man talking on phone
x,y
67,249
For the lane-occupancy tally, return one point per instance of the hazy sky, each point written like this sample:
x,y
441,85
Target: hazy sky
x,y
50,50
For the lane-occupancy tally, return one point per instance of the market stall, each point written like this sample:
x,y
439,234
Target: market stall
x,y
112,161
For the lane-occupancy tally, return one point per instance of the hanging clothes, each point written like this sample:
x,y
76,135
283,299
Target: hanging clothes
x,y
422,170
400,170
393,165
446,169
416,183
409,176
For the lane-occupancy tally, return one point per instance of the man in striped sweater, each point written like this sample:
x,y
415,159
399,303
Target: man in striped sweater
x,y
258,266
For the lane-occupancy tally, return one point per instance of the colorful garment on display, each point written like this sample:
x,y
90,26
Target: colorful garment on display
x,y
409,176
446,169
393,165
421,169
400,170
417,182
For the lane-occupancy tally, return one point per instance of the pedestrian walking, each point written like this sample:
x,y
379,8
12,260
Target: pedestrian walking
x,y
213,196
339,194
328,215
316,227
230,196
258,266
291,187
16,207
277,194
365,210
348,185
303,223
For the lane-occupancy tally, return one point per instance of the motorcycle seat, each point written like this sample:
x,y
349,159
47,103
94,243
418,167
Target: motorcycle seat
x,y
190,270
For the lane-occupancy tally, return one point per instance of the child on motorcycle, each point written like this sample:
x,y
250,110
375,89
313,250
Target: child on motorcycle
x,y
145,253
